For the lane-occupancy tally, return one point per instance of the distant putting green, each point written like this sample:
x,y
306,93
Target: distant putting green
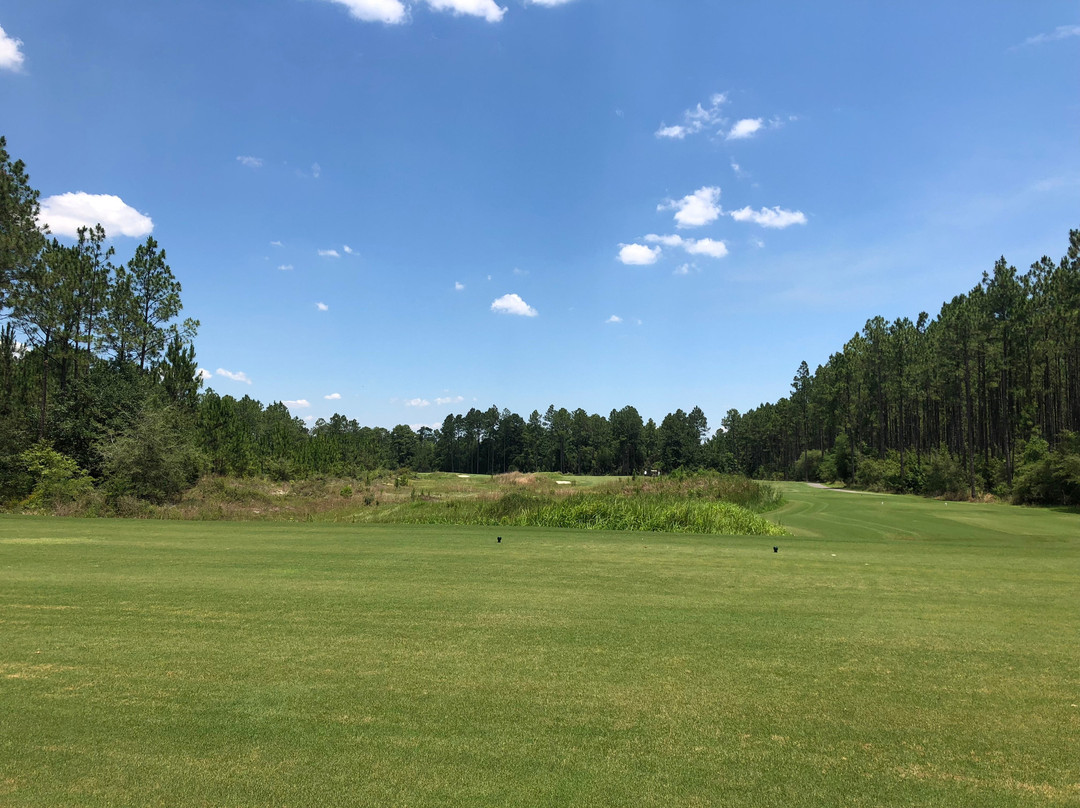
x,y
899,654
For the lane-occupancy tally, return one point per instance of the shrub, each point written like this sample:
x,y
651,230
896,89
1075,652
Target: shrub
x,y
56,478
879,474
1049,478
153,458
943,475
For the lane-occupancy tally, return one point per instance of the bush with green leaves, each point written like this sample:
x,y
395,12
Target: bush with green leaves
x,y
56,478
1049,478
153,459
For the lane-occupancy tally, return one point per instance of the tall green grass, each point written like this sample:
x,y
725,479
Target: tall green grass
x,y
701,504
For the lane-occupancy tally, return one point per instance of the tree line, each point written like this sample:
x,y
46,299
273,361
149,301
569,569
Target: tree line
x,y
984,397
99,387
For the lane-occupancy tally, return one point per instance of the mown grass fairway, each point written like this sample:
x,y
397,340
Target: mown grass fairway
x,y
888,655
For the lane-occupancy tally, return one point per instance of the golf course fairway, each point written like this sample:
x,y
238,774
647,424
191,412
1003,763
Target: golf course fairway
x,y
892,651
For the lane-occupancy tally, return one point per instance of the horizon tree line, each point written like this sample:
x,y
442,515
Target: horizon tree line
x,y
96,366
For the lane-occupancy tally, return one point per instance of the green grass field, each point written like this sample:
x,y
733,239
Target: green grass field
x,y
895,652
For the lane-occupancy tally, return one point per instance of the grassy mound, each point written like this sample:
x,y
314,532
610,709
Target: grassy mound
x,y
700,504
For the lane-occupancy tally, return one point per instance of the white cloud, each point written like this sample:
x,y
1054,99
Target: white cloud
x,y
239,376
316,170
513,304
638,254
204,374
738,169
449,400
1061,32
667,241
250,162
349,250
549,3
696,119
697,209
276,244
459,287
285,267
418,402
521,273
298,404
776,218
393,12
703,246
613,319
66,213
418,427
333,397
329,254
476,8
675,131
322,307
747,127
706,246
686,269
309,418
11,57
390,12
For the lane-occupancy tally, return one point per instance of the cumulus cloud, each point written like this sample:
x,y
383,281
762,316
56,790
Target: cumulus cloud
x,y
697,209
298,404
706,246
703,246
1061,32
696,119
66,213
333,397
613,319
316,170
250,162
747,127
390,12
638,254
449,400
204,374
393,12
286,267
238,376
329,254
458,286
322,307
776,218
667,241
474,8
349,250
417,402
11,55
276,244
685,269
513,304
549,3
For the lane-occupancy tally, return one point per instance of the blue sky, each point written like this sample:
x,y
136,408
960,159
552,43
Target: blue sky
x,y
428,205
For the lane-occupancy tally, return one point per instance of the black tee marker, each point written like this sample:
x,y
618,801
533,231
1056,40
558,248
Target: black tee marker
x,y
498,540
776,549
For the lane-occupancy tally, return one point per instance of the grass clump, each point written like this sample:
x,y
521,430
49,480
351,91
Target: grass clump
x,y
711,504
